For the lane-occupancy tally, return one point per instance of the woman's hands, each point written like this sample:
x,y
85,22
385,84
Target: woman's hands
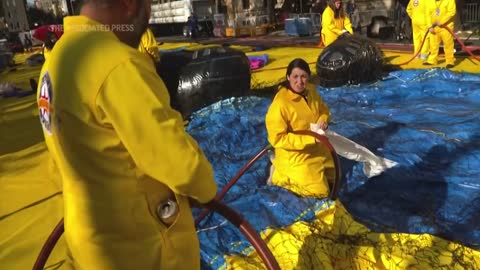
x,y
319,128
323,125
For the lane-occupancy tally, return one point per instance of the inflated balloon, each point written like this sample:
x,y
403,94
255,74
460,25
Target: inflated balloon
x,y
169,67
213,74
351,59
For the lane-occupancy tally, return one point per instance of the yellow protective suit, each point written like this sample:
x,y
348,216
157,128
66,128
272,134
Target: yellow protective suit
x,y
301,165
332,28
148,45
417,10
121,150
441,12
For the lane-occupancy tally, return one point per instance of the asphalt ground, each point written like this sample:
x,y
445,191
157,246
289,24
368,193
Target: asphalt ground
x,y
281,39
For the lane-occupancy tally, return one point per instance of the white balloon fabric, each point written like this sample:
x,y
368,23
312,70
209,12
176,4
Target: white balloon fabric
x,y
372,165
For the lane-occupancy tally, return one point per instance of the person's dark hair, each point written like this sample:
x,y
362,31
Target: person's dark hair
x,y
296,63
338,12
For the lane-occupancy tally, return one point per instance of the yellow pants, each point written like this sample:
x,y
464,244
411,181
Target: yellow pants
x,y
311,178
441,35
419,31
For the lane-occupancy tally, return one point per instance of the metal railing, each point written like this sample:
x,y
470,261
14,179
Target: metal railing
x,y
471,13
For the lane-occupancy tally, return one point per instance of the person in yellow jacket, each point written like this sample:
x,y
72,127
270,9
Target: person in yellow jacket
x,y
129,169
335,22
301,165
417,10
441,13
149,45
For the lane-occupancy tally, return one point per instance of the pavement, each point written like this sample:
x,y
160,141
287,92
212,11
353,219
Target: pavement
x,y
281,39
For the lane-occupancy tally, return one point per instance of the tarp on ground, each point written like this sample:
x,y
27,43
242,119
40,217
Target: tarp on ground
x,y
426,120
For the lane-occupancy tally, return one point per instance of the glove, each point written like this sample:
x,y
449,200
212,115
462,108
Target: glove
x,y
344,33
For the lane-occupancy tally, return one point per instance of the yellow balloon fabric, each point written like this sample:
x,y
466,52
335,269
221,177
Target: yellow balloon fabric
x,y
336,241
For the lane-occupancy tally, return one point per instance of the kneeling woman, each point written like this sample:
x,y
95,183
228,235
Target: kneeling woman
x,y
301,164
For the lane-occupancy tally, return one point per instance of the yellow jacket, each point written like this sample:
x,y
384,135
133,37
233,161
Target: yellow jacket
x,y
331,27
121,150
417,10
148,45
441,12
299,162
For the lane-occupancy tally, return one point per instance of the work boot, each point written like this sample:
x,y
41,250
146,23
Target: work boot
x,y
423,56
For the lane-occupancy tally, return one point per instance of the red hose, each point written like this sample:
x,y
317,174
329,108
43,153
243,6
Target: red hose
x,y
247,230
215,205
333,192
461,43
453,34
419,50
411,59
231,215
232,182
48,246
337,184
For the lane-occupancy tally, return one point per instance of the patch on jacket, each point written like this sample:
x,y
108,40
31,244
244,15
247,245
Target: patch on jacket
x,y
45,103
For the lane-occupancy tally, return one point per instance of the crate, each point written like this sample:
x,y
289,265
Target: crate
x,y
259,30
291,27
299,26
243,31
238,31
258,20
304,26
230,32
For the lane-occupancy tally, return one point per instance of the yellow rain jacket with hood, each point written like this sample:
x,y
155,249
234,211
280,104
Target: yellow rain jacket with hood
x,y
121,151
418,12
300,164
441,12
148,45
333,27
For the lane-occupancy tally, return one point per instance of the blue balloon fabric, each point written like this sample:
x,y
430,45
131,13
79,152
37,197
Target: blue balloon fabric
x,y
426,120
